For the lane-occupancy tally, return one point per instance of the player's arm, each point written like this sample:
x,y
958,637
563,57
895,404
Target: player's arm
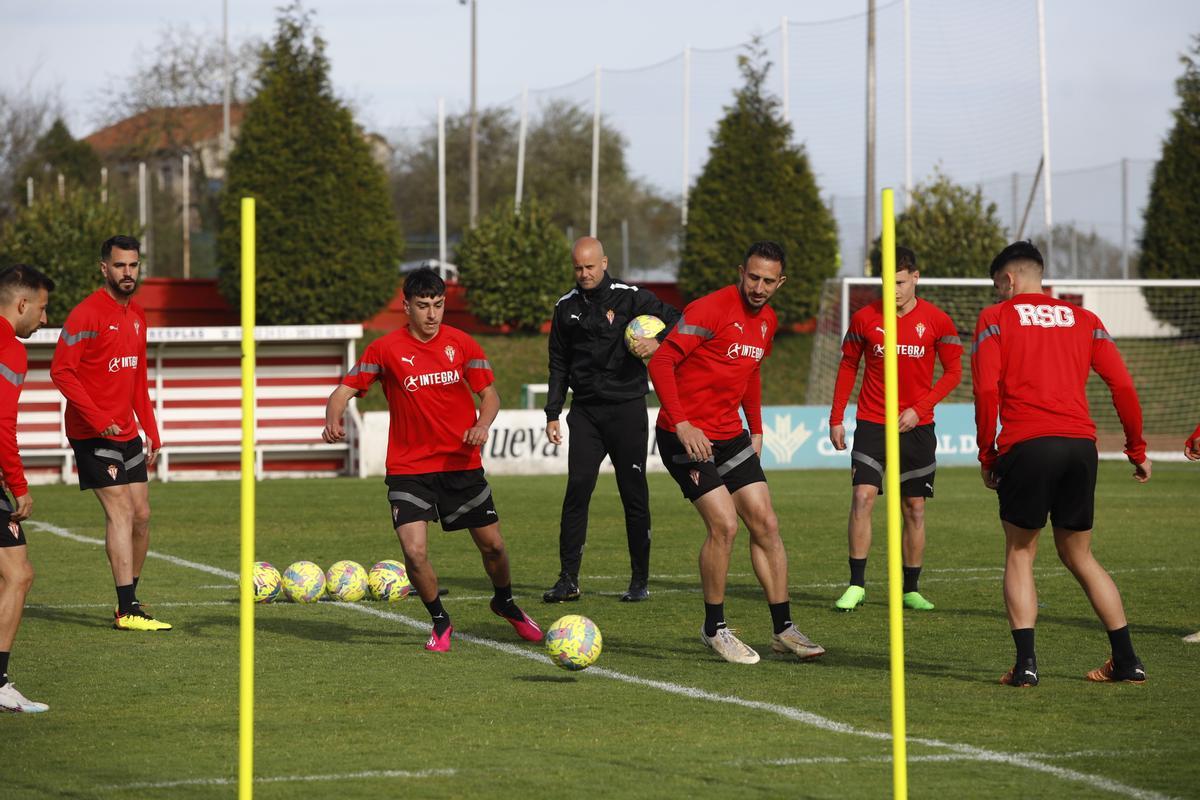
x,y
78,334
752,408
646,302
985,383
689,333
355,384
335,411
489,407
949,352
12,376
1191,448
143,408
847,374
556,392
1107,361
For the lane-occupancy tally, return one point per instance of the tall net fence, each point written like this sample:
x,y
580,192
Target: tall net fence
x,y
1156,325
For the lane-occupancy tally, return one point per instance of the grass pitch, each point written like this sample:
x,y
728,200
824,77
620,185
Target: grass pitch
x,y
349,705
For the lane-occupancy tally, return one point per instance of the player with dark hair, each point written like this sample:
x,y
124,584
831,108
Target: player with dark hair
x,y
704,372
434,470
24,294
99,365
608,409
922,330
1030,363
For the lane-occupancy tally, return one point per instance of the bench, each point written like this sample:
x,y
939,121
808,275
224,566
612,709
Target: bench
x,y
195,385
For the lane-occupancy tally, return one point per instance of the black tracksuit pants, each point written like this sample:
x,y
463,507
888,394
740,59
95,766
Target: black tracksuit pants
x,y
620,431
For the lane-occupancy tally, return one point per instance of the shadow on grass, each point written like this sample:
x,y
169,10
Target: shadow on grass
x,y
548,678
312,630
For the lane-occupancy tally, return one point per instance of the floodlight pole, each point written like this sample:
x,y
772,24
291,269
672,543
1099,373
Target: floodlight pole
x,y
1047,201
595,154
521,149
225,142
687,113
474,215
441,160
869,214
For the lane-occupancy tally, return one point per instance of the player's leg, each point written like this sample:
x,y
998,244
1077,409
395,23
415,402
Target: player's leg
x,y
1020,601
585,451
16,577
717,510
858,534
913,549
118,505
625,431
491,547
414,537
918,468
139,495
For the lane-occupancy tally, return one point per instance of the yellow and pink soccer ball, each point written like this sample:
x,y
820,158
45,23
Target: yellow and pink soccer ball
x,y
268,583
388,581
645,326
574,642
346,581
304,582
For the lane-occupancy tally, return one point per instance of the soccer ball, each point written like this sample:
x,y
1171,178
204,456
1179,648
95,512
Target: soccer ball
x,y
574,642
645,327
304,582
267,582
389,581
346,580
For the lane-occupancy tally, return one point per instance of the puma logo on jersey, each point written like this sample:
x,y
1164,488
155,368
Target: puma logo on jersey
x,y
409,360
881,330
114,327
638,467
1045,316
738,325
574,316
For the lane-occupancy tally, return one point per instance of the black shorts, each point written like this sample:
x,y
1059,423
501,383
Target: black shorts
x,y
918,463
11,533
104,462
1051,476
734,464
460,499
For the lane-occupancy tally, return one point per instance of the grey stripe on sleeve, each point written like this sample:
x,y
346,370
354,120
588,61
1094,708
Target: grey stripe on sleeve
x,y
990,330
15,378
368,368
479,363
72,339
950,340
693,330
853,337
1100,333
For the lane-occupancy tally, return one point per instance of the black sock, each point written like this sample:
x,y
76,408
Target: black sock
x,y
1122,647
1023,639
714,618
3,667
441,620
781,615
135,582
912,576
858,572
504,603
125,599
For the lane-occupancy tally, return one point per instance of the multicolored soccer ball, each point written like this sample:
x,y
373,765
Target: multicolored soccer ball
x,y
388,581
646,327
268,583
574,642
304,582
347,581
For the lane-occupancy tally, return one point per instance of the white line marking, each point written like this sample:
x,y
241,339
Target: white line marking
x,y
933,758
376,773
799,715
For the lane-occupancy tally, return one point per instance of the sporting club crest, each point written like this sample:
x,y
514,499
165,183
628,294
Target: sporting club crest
x,y
449,351
695,476
137,328
920,329
611,316
764,331
15,530
112,471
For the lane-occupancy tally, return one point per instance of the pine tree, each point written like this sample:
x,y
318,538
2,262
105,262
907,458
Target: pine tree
x,y
757,185
57,151
1171,236
328,246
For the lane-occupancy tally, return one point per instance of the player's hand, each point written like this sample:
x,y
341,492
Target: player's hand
x,y
837,435
694,441
335,431
990,479
756,443
1141,472
1191,449
476,435
111,430
908,420
643,348
24,508
554,432
151,453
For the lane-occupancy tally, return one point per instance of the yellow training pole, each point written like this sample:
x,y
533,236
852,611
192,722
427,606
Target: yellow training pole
x,y
246,596
892,492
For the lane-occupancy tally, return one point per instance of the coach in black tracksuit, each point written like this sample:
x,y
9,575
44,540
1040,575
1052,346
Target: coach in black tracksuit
x,y
608,411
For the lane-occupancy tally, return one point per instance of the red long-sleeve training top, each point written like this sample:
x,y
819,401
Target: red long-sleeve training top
x,y
13,364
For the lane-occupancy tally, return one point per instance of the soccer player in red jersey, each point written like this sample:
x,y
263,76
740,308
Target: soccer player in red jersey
x,y
1191,448
434,470
704,372
24,293
1030,362
99,365
923,331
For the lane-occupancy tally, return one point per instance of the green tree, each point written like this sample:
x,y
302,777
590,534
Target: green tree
x,y
62,238
57,152
1170,237
953,231
515,266
328,243
757,185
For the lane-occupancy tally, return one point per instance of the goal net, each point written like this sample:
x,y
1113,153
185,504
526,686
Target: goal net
x,y
1155,323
